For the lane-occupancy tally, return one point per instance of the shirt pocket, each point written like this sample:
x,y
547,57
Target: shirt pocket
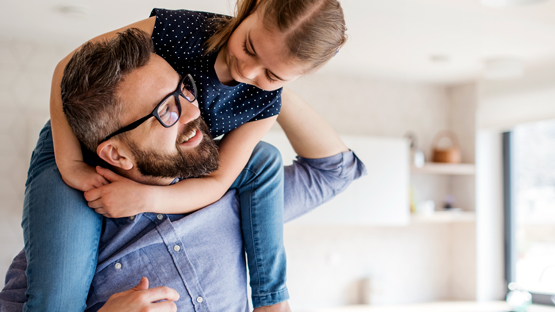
x,y
123,274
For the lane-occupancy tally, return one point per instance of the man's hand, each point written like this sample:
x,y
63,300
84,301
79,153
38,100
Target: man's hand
x,y
142,299
83,177
120,198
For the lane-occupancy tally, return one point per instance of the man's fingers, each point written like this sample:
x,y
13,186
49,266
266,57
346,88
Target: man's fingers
x,y
163,306
143,284
161,293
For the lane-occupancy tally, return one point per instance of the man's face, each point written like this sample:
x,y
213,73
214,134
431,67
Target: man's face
x,y
183,150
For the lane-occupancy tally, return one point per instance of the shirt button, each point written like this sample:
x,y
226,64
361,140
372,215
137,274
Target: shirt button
x,y
160,216
176,248
199,299
118,266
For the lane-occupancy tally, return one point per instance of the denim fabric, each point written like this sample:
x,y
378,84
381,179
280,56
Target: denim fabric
x,y
61,235
200,254
260,189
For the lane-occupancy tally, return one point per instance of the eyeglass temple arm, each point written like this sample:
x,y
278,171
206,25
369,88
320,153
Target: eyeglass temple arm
x,y
128,128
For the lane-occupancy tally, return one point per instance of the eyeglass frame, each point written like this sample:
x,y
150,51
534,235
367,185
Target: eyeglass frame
x,y
154,112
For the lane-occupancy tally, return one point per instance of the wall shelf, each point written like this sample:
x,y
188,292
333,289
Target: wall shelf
x,y
445,217
447,169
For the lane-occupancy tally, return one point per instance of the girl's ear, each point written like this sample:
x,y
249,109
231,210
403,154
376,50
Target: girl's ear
x,y
114,155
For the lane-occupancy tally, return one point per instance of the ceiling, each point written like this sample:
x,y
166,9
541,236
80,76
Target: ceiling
x,y
439,41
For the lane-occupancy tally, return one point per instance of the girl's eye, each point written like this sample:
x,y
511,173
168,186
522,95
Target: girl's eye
x,y
270,78
253,55
247,50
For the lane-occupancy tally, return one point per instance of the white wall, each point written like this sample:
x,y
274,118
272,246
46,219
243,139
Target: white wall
x,y
504,104
25,74
489,218
326,264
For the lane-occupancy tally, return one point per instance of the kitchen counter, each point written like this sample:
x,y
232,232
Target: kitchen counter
x,y
450,306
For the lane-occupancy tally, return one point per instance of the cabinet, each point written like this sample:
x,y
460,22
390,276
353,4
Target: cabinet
x,y
380,198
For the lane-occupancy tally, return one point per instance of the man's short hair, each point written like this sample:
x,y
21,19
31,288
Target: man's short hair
x,y
91,80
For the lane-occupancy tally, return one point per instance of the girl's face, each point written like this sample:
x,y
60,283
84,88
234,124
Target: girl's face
x,y
259,57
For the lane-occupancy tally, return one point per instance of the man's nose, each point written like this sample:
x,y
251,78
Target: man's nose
x,y
189,111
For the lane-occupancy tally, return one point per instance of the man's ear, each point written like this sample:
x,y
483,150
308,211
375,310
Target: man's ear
x,y
114,155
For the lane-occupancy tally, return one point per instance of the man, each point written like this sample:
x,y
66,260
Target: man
x,y
198,257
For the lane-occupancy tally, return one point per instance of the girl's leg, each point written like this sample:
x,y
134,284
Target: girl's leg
x,y
61,236
260,188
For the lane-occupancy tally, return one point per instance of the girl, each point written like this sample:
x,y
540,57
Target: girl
x,y
240,65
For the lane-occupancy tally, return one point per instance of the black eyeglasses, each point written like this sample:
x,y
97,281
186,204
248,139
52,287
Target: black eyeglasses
x,y
167,111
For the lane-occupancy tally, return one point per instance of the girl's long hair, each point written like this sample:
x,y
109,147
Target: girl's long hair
x,y
314,29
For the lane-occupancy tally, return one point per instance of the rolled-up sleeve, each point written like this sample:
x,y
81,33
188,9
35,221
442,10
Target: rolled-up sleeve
x,y
309,183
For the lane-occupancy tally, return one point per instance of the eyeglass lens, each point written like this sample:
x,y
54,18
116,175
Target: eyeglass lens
x,y
168,111
188,89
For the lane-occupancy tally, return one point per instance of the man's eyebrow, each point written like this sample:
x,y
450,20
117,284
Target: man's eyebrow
x,y
254,52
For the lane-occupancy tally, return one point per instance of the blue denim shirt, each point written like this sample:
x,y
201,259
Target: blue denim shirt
x,y
200,254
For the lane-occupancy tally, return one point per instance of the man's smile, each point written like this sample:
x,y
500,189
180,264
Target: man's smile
x,y
192,139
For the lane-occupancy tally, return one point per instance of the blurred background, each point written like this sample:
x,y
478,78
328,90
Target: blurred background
x,y
412,231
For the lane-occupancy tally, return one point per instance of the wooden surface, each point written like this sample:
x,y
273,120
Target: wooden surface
x,y
447,169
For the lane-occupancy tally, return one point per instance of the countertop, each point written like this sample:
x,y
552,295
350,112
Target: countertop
x,y
450,306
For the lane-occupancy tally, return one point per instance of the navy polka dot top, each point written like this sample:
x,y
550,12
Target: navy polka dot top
x,y
179,37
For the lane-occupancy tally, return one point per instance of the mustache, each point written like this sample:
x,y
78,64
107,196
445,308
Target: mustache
x,y
195,124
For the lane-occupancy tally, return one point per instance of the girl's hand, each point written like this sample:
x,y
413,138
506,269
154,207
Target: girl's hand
x,y
83,177
120,198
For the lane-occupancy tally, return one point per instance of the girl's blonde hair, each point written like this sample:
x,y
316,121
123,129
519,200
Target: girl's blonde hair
x,y
314,29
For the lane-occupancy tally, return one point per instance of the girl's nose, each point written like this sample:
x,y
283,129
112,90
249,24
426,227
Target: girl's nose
x,y
250,69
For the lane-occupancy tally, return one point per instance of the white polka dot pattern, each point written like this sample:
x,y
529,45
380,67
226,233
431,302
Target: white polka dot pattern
x,y
179,37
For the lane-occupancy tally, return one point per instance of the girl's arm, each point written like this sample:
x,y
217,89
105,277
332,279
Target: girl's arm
x,y
309,134
67,149
124,197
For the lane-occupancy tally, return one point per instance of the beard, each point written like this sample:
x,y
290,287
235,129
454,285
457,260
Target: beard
x,y
191,163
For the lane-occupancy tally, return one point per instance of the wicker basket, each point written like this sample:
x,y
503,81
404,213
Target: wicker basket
x,y
446,155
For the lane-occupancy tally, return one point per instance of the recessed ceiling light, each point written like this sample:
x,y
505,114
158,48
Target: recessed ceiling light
x,y
439,58
72,10
503,68
508,3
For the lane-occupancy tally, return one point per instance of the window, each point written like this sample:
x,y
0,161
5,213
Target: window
x,y
529,196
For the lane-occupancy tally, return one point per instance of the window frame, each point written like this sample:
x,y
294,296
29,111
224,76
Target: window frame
x,y
509,224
